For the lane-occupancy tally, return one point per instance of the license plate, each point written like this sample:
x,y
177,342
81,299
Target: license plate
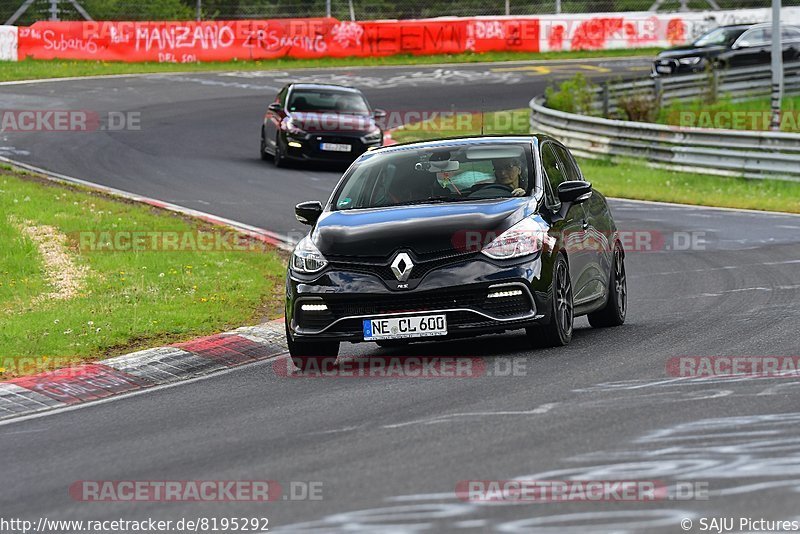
x,y
335,147
665,70
405,327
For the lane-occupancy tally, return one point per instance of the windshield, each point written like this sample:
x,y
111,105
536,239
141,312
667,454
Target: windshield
x,y
326,101
719,36
436,174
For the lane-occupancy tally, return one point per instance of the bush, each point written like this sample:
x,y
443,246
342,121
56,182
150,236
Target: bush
x,y
574,95
639,107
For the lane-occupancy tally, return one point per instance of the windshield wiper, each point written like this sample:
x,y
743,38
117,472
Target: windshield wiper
x,y
429,200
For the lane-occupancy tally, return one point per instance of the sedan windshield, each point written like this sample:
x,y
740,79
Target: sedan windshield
x,y
308,100
719,36
436,175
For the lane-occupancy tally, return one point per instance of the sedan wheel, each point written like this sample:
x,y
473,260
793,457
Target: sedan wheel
x,y
613,314
279,160
558,332
264,155
312,356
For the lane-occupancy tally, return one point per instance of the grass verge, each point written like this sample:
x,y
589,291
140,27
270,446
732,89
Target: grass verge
x,y
753,114
626,179
32,69
129,295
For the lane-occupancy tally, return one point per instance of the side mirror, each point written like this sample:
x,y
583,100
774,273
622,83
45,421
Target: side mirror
x,y
275,107
574,191
308,212
379,113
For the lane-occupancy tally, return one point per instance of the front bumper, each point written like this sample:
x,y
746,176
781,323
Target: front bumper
x,y
668,67
310,148
350,297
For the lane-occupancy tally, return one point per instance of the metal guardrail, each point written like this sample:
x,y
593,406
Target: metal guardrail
x,y
751,154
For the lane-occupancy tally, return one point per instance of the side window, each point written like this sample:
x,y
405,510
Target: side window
x,y
553,171
790,34
755,37
282,96
570,168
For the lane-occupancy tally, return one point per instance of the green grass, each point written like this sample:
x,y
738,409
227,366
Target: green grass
x,y
460,124
633,179
31,69
745,115
19,266
628,179
130,300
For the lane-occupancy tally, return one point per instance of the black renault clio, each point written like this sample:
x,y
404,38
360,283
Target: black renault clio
x,y
450,238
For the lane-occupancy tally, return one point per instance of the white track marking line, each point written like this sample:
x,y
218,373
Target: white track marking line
x,y
544,408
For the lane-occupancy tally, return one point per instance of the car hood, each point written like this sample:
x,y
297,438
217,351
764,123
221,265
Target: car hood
x,y
313,122
425,230
690,51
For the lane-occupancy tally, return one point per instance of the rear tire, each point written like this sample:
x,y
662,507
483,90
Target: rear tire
x,y
312,355
613,313
558,332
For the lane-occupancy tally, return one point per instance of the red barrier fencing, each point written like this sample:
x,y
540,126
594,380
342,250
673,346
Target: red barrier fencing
x,y
269,39
310,38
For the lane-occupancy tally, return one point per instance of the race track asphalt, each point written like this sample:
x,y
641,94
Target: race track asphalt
x,y
389,452
198,134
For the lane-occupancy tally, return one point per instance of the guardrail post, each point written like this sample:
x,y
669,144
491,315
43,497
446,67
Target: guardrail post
x,y
714,86
605,96
657,87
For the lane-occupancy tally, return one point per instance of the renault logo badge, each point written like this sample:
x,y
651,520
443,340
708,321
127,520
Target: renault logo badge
x,y
401,267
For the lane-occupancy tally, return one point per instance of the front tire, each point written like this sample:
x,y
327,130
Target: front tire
x,y
613,313
558,332
278,159
264,155
311,355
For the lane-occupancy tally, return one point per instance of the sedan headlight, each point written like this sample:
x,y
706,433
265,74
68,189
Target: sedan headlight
x,y
524,238
374,136
689,60
292,129
306,258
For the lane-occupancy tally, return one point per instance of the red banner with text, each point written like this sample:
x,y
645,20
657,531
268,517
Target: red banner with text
x,y
183,42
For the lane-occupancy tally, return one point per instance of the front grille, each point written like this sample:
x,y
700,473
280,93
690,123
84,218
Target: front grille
x,y
507,306
357,147
315,320
382,267
398,303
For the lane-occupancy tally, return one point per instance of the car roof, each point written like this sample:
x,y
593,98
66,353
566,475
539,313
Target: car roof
x,y
464,141
753,25
325,86
736,26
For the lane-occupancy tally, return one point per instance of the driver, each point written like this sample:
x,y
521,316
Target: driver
x,y
507,171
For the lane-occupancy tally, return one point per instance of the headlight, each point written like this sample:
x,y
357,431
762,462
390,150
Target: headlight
x,y
306,258
524,238
689,60
292,129
374,136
